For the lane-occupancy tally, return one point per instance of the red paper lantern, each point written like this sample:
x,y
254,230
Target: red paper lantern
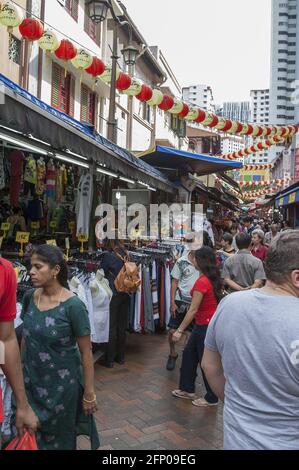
x,y
124,81
252,148
66,50
239,127
214,122
167,103
31,29
185,111
260,146
260,131
201,116
228,126
268,130
97,67
146,93
250,130
268,143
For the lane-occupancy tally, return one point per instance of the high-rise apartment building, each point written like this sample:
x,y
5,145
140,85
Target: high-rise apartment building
x,y
237,111
284,65
259,114
201,96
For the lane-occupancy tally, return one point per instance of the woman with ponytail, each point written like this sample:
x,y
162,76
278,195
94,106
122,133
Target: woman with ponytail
x,y
206,294
56,347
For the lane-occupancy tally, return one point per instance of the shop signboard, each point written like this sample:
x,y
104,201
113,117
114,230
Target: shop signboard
x,y
292,198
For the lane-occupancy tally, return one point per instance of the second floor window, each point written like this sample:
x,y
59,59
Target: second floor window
x,y
89,104
72,6
63,90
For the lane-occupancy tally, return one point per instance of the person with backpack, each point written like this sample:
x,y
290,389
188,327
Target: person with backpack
x,y
123,280
206,294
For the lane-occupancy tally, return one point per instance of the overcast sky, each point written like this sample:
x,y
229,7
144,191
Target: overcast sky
x,y
223,43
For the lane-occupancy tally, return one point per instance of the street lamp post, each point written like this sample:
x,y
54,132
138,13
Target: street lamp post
x,y
98,10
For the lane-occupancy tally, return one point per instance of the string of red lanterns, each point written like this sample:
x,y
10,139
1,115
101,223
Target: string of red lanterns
x,y
32,29
264,183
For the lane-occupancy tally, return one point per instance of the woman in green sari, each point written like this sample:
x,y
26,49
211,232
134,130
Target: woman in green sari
x,y
57,356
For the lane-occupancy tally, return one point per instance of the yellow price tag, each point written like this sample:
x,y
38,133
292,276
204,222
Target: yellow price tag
x,y
51,242
53,224
82,238
22,237
35,225
5,226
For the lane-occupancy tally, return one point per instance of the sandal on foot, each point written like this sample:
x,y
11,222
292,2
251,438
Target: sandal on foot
x,y
203,402
182,394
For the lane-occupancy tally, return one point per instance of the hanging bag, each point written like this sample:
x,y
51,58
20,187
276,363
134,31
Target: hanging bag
x,y
27,442
128,279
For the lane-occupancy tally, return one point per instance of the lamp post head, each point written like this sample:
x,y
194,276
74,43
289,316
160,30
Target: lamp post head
x,y
98,10
130,54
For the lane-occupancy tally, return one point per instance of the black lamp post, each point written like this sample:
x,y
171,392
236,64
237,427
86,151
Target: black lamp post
x,y
98,10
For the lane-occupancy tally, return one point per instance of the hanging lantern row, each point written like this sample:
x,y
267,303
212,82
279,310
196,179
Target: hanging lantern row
x,y
264,183
267,166
259,147
31,29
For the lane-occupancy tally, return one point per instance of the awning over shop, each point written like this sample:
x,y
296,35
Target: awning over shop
x,y
187,162
31,117
288,196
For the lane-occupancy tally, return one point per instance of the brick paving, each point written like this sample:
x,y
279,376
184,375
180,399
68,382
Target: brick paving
x,y
137,410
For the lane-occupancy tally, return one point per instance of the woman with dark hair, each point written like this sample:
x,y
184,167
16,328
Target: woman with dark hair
x,y
206,294
112,263
55,348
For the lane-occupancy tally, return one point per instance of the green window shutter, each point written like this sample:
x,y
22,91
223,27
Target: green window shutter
x,y
56,84
75,9
84,103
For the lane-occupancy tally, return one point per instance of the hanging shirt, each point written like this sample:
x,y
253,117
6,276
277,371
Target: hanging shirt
x,y
30,174
41,177
84,203
101,314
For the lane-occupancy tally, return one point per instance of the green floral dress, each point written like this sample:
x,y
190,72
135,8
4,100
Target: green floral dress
x,y
53,373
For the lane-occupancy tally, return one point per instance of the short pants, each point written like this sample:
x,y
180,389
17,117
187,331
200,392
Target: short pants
x,y
174,322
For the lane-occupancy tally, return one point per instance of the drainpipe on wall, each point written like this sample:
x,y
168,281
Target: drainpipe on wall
x,y
129,140
27,50
40,55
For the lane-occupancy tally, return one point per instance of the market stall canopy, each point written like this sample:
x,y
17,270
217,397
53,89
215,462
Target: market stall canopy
x,y
31,118
187,162
288,196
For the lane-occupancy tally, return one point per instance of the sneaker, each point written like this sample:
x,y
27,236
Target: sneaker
x,y
203,402
182,394
171,362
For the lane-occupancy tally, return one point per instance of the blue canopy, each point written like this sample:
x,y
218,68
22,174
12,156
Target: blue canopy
x,y
188,162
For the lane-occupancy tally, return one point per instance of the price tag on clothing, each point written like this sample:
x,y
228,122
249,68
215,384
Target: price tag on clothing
x,y
5,226
22,237
35,225
53,224
51,242
83,238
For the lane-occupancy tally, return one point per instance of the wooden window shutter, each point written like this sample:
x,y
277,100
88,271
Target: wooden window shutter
x,y
75,9
84,103
72,96
56,85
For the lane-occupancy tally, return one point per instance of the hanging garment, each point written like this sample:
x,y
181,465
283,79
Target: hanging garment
x,y
77,288
30,175
2,173
149,324
84,203
101,315
41,177
51,180
137,314
16,159
155,292
167,294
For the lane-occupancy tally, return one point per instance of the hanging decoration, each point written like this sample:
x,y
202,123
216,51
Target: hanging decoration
x,y
259,147
49,41
177,107
82,60
246,184
156,99
134,89
31,29
11,16
145,94
66,51
267,166
124,81
167,103
106,75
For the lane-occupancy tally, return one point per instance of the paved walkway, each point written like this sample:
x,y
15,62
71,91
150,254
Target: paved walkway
x,y
137,411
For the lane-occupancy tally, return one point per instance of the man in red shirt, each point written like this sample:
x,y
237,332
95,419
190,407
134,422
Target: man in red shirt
x,y
11,362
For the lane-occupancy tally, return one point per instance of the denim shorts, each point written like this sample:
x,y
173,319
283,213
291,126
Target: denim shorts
x,y
174,322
